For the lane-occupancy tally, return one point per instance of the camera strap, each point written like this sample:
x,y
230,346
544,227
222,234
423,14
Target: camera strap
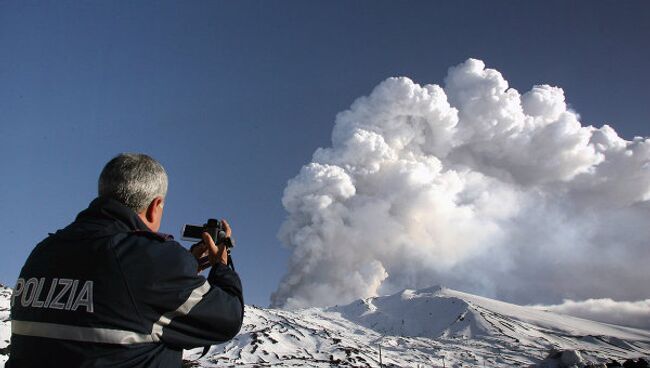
x,y
206,349
230,262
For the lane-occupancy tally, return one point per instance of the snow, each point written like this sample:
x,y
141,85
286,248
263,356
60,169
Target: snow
x,y
420,327
5,325
427,327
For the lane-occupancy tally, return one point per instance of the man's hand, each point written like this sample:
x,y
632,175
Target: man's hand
x,y
208,249
226,228
215,253
200,252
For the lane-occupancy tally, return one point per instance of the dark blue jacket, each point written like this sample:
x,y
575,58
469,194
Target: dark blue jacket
x,y
107,292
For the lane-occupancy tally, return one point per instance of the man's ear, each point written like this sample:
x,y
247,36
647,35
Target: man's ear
x,y
155,207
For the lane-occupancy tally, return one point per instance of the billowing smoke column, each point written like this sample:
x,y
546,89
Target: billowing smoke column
x,y
472,186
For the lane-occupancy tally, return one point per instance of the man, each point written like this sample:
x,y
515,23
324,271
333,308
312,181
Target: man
x,y
109,291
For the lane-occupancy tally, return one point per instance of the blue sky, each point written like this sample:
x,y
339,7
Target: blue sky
x,y
234,97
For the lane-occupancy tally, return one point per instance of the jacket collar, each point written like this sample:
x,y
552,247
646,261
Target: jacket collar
x,y
104,208
105,217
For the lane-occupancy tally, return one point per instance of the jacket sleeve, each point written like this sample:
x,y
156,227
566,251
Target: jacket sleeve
x,y
183,309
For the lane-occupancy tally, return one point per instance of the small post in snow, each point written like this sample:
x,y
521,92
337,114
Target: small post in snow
x,y
381,365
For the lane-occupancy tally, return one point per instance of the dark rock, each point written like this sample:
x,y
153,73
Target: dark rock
x,y
189,364
639,363
629,363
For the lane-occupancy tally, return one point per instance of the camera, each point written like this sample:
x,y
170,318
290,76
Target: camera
x,y
213,227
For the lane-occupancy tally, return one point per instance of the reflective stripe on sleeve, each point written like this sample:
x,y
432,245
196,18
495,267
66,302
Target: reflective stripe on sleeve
x,y
164,320
78,333
107,335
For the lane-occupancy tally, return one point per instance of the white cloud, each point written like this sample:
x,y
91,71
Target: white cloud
x,y
633,314
471,185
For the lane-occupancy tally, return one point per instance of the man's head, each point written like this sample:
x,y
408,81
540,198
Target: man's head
x,y
137,181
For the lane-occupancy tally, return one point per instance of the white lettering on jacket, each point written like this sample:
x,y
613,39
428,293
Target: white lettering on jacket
x,y
61,293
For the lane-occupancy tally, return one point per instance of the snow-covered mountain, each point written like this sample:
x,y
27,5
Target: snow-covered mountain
x,y
429,327
414,328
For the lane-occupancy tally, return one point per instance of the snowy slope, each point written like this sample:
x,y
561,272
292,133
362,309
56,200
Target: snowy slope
x,y
414,328
5,326
421,327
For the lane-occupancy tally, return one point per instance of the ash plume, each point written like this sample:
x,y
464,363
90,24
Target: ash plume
x,y
471,185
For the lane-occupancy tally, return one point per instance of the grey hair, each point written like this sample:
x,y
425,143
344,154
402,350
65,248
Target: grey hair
x,y
133,179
